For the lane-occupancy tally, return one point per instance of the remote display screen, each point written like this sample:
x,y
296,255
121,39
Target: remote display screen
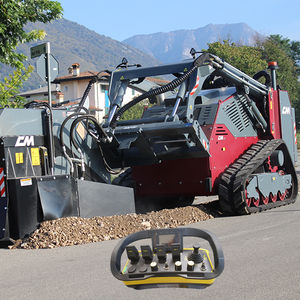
x,y
169,238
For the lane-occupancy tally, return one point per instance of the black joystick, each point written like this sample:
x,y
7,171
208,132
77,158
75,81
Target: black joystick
x,y
196,256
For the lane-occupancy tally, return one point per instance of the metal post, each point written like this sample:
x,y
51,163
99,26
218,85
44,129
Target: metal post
x,y
180,96
49,114
48,72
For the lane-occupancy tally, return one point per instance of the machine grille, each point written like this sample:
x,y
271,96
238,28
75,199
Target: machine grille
x,y
244,109
205,114
221,130
232,111
237,112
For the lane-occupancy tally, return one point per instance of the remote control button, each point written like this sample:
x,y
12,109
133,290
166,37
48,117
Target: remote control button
x,y
154,266
203,267
143,269
178,266
132,269
190,265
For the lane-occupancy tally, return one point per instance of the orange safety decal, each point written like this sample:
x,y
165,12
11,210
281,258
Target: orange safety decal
x,y
2,184
195,87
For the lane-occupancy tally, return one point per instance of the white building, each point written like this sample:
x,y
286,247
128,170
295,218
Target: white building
x,y
72,87
42,93
75,83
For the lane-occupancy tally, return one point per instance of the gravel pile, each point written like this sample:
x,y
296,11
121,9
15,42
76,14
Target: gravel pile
x,y
74,231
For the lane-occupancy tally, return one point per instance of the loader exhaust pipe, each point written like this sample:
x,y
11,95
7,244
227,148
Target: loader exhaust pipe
x,y
272,65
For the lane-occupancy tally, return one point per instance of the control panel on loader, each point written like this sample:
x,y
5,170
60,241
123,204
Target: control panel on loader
x,y
181,257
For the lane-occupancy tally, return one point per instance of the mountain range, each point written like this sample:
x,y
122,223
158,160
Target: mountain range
x,y
176,45
74,43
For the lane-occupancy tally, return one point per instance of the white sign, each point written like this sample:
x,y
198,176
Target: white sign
x,y
26,182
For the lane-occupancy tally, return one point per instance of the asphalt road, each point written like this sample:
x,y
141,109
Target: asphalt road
x,y
262,261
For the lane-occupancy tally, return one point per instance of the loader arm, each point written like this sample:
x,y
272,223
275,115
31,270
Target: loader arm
x,y
174,133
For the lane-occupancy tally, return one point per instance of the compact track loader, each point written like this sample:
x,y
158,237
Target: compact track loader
x,y
218,131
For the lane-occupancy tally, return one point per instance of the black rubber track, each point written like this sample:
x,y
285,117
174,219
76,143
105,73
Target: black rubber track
x,y
232,183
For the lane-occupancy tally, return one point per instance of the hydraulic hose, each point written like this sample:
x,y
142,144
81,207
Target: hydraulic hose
x,y
61,139
34,104
99,130
264,74
160,90
96,78
79,119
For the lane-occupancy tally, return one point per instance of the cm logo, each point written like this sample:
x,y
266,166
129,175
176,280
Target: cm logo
x,y
25,140
286,110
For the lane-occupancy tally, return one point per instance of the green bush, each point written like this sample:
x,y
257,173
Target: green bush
x,y
135,112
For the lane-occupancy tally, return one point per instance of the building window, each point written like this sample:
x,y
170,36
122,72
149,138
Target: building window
x,y
66,89
104,88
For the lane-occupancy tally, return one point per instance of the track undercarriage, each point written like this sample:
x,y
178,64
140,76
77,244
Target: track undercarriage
x,y
233,195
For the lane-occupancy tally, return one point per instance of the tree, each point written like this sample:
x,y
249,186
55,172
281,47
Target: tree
x,y
246,58
15,14
287,53
291,48
287,78
253,59
11,86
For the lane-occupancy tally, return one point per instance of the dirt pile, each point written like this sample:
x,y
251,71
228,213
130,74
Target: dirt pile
x,y
74,231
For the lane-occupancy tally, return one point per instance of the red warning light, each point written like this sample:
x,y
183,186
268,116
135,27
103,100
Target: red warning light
x,y
272,63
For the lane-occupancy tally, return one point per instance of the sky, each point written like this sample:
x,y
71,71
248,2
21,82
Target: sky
x,y
122,19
